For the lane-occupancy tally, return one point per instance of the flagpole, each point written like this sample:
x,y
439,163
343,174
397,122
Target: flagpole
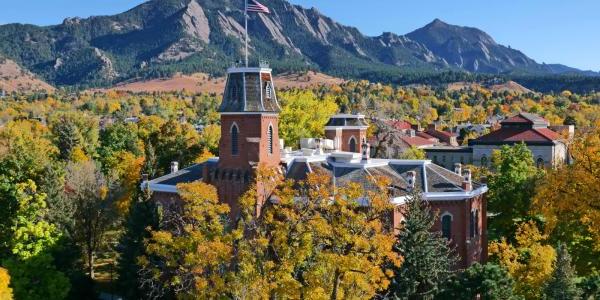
x,y
246,26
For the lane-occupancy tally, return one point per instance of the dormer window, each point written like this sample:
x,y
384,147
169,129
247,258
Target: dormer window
x,y
269,90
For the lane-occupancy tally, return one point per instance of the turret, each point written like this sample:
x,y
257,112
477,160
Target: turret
x,y
348,132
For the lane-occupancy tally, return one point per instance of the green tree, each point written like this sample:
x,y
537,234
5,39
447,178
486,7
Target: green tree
x,y
119,137
489,281
512,188
590,287
142,216
73,130
28,240
92,195
562,285
427,257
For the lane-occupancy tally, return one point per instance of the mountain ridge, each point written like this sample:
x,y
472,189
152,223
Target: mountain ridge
x,y
159,38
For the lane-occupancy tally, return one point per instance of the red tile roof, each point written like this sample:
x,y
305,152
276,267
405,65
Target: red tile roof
x,y
509,135
425,135
416,141
399,125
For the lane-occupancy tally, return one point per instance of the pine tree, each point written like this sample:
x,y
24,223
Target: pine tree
x,y
489,281
142,215
427,256
562,283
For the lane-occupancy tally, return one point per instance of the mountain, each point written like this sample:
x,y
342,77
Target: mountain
x,y
162,37
14,79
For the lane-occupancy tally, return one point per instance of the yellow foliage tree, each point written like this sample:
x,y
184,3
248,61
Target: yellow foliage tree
x,y
5,290
528,261
571,192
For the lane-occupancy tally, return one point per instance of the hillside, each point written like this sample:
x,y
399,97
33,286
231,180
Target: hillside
x,y
160,38
204,83
14,78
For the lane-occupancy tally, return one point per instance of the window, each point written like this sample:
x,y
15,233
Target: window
x,y
352,144
268,90
234,140
270,139
472,224
447,226
476,222
484,161
540,162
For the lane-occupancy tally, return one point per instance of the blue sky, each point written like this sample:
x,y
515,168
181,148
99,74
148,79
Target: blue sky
x,y
551,31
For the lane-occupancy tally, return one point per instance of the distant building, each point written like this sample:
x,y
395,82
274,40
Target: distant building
x,y
250,136
547,146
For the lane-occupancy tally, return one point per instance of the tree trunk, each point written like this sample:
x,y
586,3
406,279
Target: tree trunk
x,y
90,255
336,284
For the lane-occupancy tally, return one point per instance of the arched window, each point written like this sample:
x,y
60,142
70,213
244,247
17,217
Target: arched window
x,y
484,161
270,139
447,226
472,224
235,150
352,144
540,162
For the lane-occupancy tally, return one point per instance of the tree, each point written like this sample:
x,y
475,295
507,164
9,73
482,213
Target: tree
x,y
188,255
413,153
528,261
142,216
567,198
428,260
512,188
28,240
176,142
590,287
209,138
93,197
489,281
561,285
303,115
5,291
72,130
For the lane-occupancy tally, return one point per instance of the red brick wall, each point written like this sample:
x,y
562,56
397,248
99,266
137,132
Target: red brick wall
x,y
358,134
469,250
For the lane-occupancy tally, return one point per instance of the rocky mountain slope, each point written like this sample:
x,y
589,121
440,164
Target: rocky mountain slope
x,y
162,37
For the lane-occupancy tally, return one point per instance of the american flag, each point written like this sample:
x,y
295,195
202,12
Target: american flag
x,y
254,6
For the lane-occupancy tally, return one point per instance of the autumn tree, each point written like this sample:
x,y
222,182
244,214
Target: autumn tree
x,y
5,291
189,254
568,198
428,259
528,260
562,285
72,131
303,115
512,187
92,195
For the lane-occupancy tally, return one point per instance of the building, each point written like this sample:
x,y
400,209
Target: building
x,y
449,156
548,147
249,124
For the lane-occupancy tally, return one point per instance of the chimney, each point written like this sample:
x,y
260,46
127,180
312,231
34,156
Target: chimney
x,y
458,168
145,181
467,184
412,133
174,167
366,152
319,146
412,178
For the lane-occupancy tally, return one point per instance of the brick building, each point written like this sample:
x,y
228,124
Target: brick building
x,y
249,125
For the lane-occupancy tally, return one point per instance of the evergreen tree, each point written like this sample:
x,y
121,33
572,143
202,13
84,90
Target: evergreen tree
x,y
143,215
590,286
427,257
561,285
490,281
